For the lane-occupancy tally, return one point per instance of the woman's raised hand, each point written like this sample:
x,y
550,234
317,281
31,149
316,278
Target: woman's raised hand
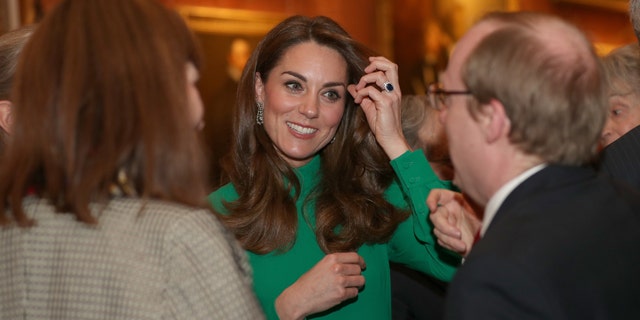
x,y
381,104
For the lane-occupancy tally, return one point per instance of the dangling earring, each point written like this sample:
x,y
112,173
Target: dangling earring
x,y
122,187
260,115
332,140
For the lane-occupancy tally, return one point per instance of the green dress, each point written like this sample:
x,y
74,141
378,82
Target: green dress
x,y
413,244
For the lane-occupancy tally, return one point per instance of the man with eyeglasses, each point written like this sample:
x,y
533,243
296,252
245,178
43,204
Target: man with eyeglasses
x,y
523,103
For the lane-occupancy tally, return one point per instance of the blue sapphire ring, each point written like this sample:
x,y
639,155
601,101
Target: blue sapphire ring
x,y
387,86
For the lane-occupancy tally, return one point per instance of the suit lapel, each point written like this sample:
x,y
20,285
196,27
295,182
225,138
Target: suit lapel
x,y
540,187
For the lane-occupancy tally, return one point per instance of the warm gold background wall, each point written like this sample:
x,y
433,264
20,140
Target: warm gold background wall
x,y
393,27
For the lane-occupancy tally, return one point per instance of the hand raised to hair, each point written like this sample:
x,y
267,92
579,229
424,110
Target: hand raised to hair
x,y
337,277
382,107
455,221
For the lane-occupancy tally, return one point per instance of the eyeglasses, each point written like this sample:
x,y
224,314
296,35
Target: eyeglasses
x,y
439,97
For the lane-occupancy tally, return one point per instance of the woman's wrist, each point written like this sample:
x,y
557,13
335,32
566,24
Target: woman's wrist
x,y
286,309
394,150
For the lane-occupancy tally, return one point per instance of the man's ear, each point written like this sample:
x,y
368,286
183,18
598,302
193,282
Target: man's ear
x,y
6,120
494,120
259,88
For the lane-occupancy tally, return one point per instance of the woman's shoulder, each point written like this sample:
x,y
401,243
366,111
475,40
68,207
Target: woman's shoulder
x,y
119,208
155,206
155,213
170,221
138,222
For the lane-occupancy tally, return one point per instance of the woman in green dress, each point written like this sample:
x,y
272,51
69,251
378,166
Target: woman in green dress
x,y
323,189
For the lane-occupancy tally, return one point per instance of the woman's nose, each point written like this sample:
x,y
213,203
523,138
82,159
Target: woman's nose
x,y
309,108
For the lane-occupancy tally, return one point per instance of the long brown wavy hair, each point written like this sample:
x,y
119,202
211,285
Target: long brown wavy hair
x,y
101,90
350,207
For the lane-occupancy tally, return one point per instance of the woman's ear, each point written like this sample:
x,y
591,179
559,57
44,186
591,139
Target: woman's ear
x,y
259,88
6,120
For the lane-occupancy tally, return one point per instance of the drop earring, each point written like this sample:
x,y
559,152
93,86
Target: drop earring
x,y
260,115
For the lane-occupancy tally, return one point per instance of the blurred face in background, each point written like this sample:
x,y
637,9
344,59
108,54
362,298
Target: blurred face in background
x,y
433,137
624,115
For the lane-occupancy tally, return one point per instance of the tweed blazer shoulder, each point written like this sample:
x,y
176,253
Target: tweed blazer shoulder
x,y
143,260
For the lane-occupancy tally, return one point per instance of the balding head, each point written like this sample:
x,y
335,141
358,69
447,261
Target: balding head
x,y
523,89
548,77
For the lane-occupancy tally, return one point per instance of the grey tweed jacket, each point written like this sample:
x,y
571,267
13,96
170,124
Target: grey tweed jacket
x,y
152,260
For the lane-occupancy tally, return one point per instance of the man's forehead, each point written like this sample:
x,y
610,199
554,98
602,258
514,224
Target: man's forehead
x,y
475,34
466,44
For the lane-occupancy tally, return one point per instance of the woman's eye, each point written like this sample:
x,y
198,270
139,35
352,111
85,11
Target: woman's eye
x,y
294,86
617,110
332,95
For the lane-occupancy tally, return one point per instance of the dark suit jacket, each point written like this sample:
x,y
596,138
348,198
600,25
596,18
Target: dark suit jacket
x,y
565,244
621,159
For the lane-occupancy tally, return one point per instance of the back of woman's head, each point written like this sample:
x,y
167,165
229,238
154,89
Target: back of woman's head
x,y
103,106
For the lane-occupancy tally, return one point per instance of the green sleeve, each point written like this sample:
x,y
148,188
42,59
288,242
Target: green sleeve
x,y
413,244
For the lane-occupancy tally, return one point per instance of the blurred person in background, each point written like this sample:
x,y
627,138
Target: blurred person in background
x,y
422,129
622,67
620,157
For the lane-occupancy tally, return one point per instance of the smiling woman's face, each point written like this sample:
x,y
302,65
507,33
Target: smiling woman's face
x,y
304,99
